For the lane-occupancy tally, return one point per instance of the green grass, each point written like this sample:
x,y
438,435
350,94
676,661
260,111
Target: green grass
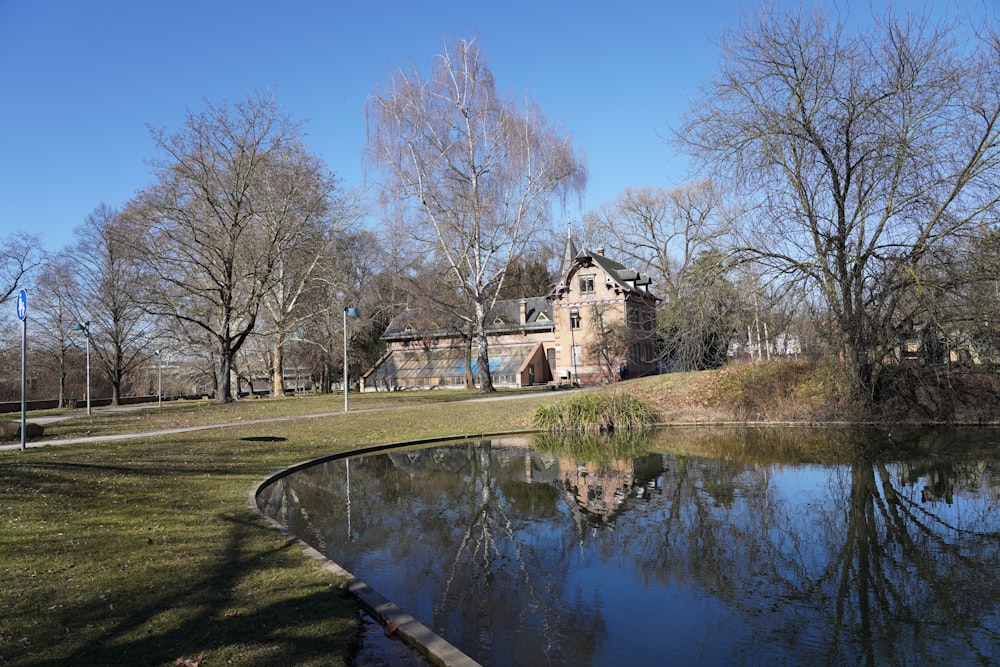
x,y
144,551
185,414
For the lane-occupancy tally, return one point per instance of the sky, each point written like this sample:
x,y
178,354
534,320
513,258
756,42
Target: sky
x,y
82,83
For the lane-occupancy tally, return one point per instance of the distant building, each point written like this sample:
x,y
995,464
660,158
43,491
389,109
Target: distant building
x,y
596,324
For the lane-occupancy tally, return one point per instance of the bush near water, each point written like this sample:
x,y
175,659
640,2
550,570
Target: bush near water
x,y
596,411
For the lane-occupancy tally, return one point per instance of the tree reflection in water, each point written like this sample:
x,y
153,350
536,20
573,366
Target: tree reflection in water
x,y
725,547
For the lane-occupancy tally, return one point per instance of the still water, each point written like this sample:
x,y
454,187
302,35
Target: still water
x,y
687,547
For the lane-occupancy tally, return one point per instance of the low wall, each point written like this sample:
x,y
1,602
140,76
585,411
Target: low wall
x,y
15,406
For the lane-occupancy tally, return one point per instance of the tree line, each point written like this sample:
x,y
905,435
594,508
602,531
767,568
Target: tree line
x,y
844,206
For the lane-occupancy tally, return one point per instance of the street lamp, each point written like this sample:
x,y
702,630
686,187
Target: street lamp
x,y
159,378
574,323
348,312
85,327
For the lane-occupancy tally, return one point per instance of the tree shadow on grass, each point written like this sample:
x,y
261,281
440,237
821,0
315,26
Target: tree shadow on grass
x,y
241,611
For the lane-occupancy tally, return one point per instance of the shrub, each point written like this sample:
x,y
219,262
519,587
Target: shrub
x,y
596,411
778,390
11,430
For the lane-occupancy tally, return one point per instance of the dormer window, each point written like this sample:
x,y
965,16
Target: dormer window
x,y
587,284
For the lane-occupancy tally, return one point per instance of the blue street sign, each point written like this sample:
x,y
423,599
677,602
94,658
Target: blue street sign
x,y
22,305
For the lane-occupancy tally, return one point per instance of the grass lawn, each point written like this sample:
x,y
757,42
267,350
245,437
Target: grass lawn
x,y
143,551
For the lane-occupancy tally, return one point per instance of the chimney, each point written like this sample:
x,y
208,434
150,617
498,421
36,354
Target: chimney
x,y
523,308
600,251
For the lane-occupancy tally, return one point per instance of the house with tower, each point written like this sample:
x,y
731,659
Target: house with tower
x,y
596,325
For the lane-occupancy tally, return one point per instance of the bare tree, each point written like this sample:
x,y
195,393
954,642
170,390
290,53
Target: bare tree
x,y
105,272
859,155
55,314
477,171
610,345
675,235
214,221
348,276
311,212
20,254
663,231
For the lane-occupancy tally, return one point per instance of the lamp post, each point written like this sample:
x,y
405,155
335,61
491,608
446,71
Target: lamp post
x,y
85,328
574,320
159,378
348,312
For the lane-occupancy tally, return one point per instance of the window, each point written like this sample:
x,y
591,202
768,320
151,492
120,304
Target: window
x,y
587,284
577,353
574,318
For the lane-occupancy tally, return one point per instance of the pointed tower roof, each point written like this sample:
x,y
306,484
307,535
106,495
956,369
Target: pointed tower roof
x,y
568,259
569,253
625,280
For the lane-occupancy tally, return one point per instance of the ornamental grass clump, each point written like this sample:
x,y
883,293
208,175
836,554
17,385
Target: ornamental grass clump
x,y
596,411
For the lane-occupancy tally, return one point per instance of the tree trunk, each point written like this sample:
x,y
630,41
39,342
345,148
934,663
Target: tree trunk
x,y
325,373
483,352
62,388
278,371
470,379
861,371
223,382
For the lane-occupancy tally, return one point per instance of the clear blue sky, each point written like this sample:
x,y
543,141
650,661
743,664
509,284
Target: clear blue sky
x,y
82,80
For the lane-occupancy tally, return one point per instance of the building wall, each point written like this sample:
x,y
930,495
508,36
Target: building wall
x,y
592,295
643,353
536,369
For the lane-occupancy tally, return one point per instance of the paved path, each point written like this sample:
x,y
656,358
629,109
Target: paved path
x,y
188,429
48,419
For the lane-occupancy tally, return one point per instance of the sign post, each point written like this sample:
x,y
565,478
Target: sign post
x,y
348,312
22,314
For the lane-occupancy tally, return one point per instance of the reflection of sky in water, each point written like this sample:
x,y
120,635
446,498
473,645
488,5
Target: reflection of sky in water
x,y
644,621
524,558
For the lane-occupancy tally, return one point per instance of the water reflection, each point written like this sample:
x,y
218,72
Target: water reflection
x,y
687,547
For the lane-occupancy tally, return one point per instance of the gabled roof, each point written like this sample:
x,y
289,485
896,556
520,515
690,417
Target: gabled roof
x,y
622,279
538,311
505,317
414,323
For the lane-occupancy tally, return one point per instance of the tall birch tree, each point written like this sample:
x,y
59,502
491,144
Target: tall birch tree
x,y
476,171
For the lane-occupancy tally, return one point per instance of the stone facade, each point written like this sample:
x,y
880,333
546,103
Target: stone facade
x,y
605,320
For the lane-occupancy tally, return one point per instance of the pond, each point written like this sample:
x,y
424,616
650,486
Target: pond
x,y
684,546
